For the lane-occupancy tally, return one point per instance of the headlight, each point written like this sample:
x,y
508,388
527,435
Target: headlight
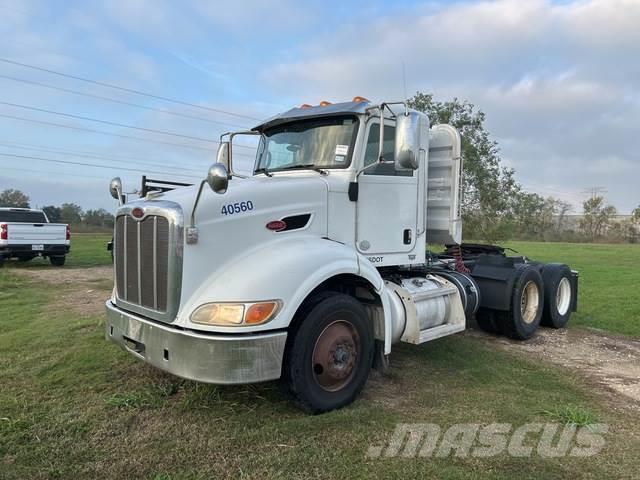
x,y
230,314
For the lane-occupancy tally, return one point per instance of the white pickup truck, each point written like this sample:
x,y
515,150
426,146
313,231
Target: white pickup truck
x,y
26,233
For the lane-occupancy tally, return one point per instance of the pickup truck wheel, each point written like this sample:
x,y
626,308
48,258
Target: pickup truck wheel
x,y
527,300
329,353
558,295
58,260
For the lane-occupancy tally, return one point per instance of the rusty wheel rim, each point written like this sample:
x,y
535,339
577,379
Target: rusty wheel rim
x,y
335,356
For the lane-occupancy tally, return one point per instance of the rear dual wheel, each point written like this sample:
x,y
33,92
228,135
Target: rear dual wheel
x,y
559,295
525,309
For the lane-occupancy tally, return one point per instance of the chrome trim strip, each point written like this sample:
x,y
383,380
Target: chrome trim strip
x,y
155,263
124,250
139,264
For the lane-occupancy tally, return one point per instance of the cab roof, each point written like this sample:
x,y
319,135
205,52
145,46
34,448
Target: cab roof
x,y
344,108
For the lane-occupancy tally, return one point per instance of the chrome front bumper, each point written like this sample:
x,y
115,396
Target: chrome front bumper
x,y
209,358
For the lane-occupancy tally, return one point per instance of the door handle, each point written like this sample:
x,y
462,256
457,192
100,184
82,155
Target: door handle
x,y
407,236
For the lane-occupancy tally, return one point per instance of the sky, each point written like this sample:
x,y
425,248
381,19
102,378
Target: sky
x,y
559,83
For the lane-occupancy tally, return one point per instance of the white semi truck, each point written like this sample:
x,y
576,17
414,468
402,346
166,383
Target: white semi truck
x,y
312,268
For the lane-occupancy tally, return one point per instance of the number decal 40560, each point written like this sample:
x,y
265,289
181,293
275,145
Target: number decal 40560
x,y
237,207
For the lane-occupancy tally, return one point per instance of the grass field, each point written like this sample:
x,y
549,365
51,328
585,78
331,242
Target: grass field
x,y
75,406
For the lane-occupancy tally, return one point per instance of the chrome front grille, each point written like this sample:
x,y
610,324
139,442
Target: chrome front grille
x,y
141,249
148,261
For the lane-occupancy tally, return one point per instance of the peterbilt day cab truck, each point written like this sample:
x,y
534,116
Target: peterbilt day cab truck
x,y
27,233
312,268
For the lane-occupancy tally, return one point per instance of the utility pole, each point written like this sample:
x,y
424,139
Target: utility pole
x,y
594,192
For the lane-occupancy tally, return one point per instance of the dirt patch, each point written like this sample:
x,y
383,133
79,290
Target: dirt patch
x,y
84,289
611,361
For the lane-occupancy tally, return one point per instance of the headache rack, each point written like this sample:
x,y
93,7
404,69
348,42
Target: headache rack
x,y
154,185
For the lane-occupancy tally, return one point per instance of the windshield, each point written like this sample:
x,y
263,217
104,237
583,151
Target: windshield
x,y
319,142
22,216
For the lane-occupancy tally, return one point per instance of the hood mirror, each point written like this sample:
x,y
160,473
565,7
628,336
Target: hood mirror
x,y
115,189
218,176
407,141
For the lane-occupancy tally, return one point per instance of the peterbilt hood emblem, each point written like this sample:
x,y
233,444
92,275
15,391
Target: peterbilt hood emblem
x,y
137,213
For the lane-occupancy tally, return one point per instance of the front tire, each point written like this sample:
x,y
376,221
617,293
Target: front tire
x,y
57,261
329,353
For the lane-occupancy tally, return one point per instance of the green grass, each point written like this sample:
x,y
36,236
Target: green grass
x,y
87,250
571,415
609,277
74,406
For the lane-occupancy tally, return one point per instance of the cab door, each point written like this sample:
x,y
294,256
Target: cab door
x,y
387,206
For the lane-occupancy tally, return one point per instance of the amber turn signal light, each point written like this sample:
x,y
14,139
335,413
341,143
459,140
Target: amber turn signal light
x,y
259,312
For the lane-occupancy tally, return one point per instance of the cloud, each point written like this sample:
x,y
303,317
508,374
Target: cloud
x,y
559,82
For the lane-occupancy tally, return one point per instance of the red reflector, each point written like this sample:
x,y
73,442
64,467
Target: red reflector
x,y
276,225
68,233
137,212
4,235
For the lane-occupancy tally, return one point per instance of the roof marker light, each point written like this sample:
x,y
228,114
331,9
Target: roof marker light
x,y
305,105
324,103
358,99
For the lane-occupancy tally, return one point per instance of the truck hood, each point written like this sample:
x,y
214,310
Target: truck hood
x,y
233,225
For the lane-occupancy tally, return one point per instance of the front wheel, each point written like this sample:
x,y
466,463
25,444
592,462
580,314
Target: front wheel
x,y
57,261
329,353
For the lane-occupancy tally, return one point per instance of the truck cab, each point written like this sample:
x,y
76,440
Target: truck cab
x,y
310,269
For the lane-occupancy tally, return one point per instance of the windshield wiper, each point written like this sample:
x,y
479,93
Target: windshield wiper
x,y
265,171
309,166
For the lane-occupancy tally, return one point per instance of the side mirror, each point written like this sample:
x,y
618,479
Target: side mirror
x,y
115,188
218,177
224,154
407,141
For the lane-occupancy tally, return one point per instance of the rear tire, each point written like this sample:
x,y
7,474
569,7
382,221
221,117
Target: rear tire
x,y
329,353
558,295
486,320
527,302
58,261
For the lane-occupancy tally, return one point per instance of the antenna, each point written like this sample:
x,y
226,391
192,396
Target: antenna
x,y
404,83
404,79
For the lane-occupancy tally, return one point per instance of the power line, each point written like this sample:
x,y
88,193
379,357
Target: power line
x,y
115,124
50,173
67,162
107,122
66,150
129,90
90,155
121,102
131,137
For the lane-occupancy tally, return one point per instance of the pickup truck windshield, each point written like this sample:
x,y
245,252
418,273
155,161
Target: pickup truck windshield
x,y
319,142
18,216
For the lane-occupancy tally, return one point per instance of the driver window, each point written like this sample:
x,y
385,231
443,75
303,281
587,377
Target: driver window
x,y
371,152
